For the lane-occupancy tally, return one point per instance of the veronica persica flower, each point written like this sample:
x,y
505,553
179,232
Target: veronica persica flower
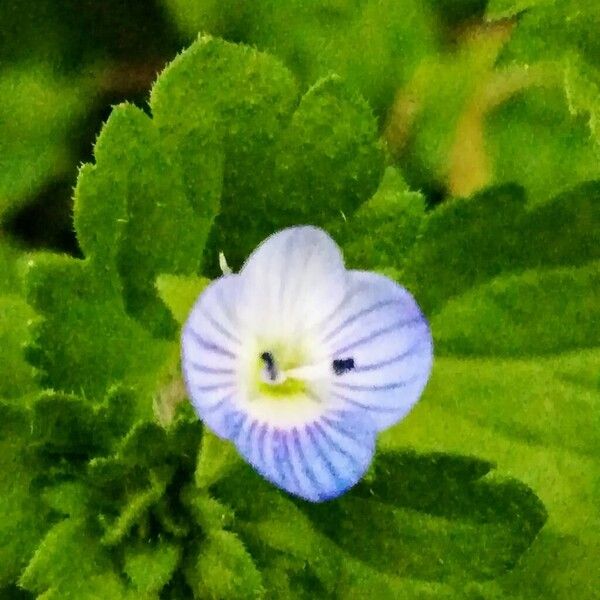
x,y
300,362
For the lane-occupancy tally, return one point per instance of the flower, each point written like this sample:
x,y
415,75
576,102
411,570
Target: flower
x,y
300,362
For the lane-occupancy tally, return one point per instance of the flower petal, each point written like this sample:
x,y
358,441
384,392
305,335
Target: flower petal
x,y
210,348
385,334
318,461
290,281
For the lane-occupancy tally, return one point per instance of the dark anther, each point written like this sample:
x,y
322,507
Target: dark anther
x,y
343,365
269,361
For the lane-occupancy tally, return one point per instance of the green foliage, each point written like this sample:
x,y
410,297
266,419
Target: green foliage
x,y
246,97
224,569
215,459
15,373
373,45
554,137
140,178
250,99
86,343
395,213
543,311
16,376
538,424
110,488
38,110
10,282
457,250
526,286
179,293
466,97
70,563
449,525
332,131
536,139
23,517
151,567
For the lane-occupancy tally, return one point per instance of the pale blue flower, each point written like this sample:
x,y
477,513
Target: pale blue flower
x,y
300,362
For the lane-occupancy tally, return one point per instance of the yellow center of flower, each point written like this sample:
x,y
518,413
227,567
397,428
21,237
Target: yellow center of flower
x,y
272,367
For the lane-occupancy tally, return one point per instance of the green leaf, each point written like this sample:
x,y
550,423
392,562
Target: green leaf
x,y
536,140
134,448
144,209
38,110
85,342
224,569
550,29
530,400
136,488
316,170
207,511
143,171
151,567
503,9
68,498
537,312
135,508
434,125
16,376
23,519
10,268
217,457
539,425
180,293
67,428
322,170
468,241
372,44
429,517
395,213
203,85
447,523
65,425
245,97
583,90
560,35
70,563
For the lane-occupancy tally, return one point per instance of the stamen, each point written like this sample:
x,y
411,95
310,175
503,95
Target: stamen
x,y
269,361
343,365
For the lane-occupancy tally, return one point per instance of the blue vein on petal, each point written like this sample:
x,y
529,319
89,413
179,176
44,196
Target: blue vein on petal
x,y
340,483
214,386
384,363
333,444
338,426
347,297
245,445
210,346
306,470
230,336
225,306
210,370
361,313
375,334
236,426
261,446
384,387
290,464
278,460
216,405
365,406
